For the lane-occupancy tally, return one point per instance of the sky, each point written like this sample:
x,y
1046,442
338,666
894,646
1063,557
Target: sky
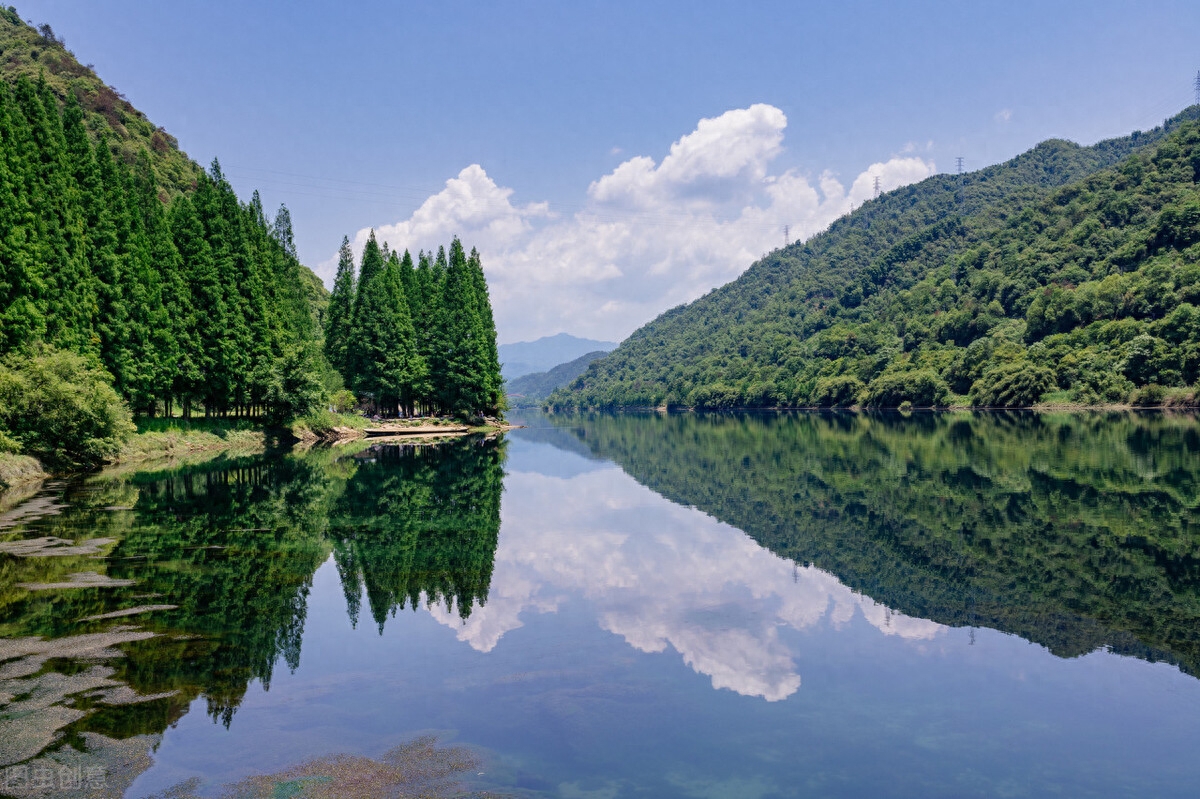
x,y
611,160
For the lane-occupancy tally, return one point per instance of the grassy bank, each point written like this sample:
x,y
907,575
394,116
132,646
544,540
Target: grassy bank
x,y
168,438
18,469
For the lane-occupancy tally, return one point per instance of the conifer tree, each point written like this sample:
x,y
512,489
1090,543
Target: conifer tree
x,y
493,383
460,384
339,317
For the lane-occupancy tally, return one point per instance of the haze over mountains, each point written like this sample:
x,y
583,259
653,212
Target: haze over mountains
x,y
541,355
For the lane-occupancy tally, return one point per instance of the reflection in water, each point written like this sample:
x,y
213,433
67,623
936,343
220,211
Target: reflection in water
x,y
214,563
1075,532
415,524
658,577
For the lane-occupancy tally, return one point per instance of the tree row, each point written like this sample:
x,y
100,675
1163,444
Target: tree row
x,y
195,302
414,339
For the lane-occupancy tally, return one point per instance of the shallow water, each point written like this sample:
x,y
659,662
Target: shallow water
x,y
607,606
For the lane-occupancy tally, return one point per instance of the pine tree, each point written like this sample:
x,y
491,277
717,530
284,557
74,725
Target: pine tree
x,y
339,317
460,383
493,383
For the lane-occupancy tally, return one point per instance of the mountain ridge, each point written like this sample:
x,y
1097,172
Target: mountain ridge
x,y
542,354
853,315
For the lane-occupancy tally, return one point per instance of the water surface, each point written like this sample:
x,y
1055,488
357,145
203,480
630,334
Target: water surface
x,y
606,606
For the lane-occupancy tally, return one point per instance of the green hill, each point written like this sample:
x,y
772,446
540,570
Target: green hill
x,y
38,53
1068,269
531,389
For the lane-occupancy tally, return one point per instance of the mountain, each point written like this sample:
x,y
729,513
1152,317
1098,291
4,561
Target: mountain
x,y
1067,273
532,388
543,354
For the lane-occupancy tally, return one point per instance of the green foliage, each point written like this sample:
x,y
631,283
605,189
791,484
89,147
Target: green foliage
x,y
837,392
1084,261
294,389
197,303
343,401
1018,384
61,408
921,388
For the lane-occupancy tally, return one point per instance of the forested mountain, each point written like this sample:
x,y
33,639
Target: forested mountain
x,y
415,338
1067,272
116,247
530,390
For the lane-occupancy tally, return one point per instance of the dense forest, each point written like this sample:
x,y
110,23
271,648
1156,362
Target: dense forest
x,y
415,338
197,301
1068,273
134,283
1073,531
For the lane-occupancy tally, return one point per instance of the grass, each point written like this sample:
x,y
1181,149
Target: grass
x,y
18,469
159,438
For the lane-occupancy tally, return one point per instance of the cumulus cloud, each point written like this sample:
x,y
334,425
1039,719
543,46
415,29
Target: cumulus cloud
x,y
663,578
648,235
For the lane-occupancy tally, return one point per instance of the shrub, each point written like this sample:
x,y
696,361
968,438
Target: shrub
x,y
1151,360
921,387
62,408
1012,385
343,401
837,392
1151,396
294,388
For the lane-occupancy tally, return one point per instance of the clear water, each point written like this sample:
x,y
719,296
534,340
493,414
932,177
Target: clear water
x,y
608,606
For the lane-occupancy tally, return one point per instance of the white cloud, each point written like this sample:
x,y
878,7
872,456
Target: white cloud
x,y
1003,115
662,577
647,236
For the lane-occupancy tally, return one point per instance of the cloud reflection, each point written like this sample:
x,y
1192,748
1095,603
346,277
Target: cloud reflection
x,y
660,575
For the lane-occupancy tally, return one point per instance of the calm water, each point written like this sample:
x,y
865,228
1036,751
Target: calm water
x,y
610,606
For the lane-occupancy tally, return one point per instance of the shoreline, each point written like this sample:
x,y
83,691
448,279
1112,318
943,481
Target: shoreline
x,y
149,447
19,470
1041,407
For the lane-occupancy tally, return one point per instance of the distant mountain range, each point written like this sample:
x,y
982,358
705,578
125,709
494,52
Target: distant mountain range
x,y
530,390
527,357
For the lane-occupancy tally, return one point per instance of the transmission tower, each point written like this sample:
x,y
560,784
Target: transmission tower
x,y
877,185
959,197
787,239
1197,86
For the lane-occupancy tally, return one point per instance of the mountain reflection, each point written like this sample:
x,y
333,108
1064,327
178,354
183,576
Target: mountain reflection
x,y
660,575
1073,531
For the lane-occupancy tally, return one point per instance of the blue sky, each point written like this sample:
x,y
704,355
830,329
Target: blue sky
x,y
554,122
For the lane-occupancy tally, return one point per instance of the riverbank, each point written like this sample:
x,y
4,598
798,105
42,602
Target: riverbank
x,y
175,439
16,470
